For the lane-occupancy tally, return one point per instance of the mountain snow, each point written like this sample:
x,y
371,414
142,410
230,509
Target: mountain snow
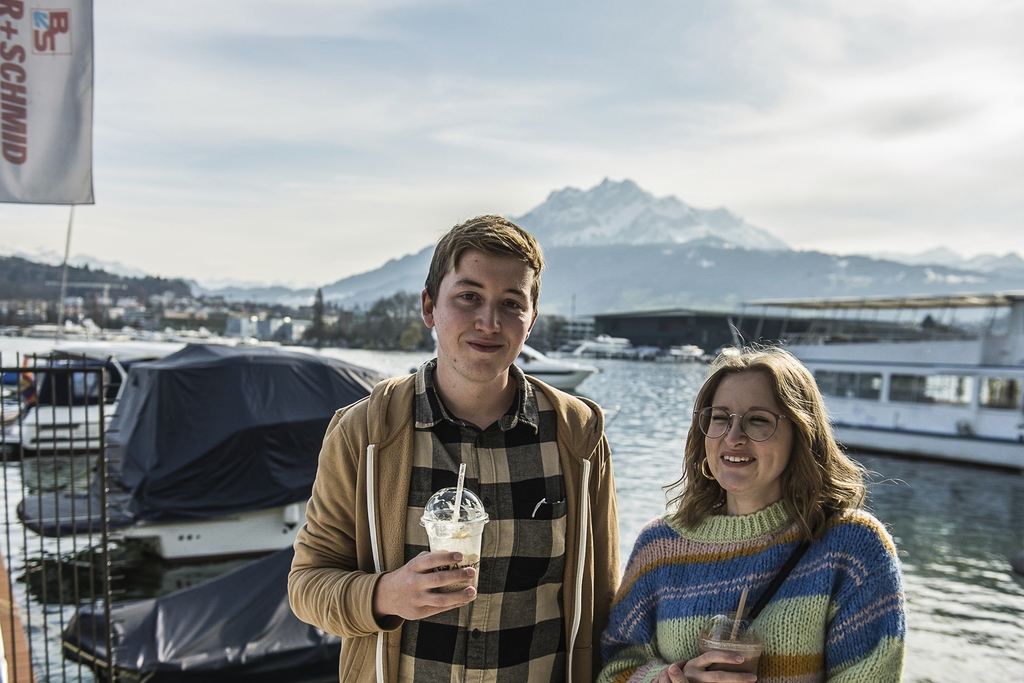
x,y
623,213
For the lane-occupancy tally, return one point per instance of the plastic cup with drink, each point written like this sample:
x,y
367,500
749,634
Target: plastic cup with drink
x,y
729,633
456,528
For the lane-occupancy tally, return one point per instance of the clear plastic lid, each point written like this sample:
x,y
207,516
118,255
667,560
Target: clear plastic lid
x,y
718,630
441,506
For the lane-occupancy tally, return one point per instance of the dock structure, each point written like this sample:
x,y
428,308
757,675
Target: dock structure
x,y
16,663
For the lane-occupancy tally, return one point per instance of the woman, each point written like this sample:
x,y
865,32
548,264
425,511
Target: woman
x,y
762,473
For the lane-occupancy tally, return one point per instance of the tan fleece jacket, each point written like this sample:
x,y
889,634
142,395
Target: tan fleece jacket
x,y
355,525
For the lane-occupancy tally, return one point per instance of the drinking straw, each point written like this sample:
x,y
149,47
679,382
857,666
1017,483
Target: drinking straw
x,y
457,506
739,614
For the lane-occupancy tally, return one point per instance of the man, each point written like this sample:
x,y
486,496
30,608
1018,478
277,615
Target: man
x,y
537,458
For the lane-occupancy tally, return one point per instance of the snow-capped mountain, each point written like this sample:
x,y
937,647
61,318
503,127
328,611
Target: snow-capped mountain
x,y
622,213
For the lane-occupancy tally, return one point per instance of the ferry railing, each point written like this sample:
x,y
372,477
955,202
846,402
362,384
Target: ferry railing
x,y
47,463
766,324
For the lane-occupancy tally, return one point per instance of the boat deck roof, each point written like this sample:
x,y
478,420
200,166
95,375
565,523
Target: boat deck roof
x,y
904,302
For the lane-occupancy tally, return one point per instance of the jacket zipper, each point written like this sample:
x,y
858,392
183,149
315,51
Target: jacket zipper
x,y
371,516
580,562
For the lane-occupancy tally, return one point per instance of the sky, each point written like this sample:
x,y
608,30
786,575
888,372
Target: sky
x,y
302,141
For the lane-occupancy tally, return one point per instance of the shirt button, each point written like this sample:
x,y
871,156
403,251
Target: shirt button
x,y
487,502
476,633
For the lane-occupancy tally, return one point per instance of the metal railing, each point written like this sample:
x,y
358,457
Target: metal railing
x,y
57,544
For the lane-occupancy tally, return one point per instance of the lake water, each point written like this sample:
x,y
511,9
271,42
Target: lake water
x,y
956,526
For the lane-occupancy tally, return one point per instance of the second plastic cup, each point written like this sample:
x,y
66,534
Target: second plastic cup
x,y
463,533
717,635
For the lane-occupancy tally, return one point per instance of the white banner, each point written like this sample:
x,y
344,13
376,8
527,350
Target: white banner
x,y
46,101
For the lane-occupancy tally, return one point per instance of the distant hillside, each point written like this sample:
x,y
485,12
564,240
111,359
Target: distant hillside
x,y
273,294
397,275
616,247
709,274
983,263
24,279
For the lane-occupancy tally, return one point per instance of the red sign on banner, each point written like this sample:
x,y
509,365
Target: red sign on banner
x,y
51,32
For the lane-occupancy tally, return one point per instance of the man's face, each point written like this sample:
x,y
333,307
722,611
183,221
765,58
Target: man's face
x,y
482,316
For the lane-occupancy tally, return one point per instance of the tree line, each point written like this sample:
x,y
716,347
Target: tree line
x,y
391,322
394,323
23,279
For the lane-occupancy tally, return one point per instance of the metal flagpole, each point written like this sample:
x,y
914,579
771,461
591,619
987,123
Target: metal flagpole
x,y
64,277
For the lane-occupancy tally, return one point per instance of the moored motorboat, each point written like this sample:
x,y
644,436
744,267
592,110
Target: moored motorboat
x,y
601,346
63,408
687,353
236,627
212,452
561,374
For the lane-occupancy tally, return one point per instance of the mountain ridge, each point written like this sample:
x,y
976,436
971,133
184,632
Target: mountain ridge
x,y
616,247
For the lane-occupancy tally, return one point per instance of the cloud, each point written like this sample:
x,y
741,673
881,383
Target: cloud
x,y
313,139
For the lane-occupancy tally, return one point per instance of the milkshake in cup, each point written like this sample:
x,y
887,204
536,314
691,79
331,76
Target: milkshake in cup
x,y
721,633
462,534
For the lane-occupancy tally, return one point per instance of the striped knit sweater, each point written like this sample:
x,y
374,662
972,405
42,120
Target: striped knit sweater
x,y
838,617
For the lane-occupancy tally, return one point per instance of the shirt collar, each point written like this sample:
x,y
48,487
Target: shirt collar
x,y
429,409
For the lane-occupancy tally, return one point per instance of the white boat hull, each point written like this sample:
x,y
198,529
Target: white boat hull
x,y
564,381
562,375
964,449
48,430
249,533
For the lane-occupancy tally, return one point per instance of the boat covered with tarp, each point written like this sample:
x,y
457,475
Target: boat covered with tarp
x,y
236,627
207,432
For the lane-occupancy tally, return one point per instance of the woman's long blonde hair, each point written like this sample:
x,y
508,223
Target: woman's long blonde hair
x,y
819,480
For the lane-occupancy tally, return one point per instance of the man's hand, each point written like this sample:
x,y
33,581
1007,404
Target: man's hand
x,y
410,591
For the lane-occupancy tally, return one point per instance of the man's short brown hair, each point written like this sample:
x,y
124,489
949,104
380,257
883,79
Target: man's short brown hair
x,y
494,236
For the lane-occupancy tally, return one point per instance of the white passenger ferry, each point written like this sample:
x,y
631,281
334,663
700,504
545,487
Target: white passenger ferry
x,y
930,376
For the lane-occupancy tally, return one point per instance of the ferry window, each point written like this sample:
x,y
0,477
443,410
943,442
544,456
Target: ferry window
x,y
998,392
952,389
849,384
826,382
869,385
947,389
846,384
905,387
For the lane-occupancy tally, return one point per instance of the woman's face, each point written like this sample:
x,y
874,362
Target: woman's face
x,y
749,471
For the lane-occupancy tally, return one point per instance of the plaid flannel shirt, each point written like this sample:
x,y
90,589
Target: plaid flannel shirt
x,y
513,632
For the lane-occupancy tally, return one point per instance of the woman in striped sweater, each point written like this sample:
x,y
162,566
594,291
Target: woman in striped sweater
x,y
762,474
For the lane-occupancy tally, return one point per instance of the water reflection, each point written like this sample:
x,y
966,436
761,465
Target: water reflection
x,y
957,528
648,436
50,473
56,579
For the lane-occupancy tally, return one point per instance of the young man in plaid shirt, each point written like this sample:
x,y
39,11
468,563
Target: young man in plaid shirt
x,y
536,456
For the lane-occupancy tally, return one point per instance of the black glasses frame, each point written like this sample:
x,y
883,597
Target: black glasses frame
x,y
743,417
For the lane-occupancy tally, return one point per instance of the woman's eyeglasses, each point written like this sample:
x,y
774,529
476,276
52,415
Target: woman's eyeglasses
x,y
757,424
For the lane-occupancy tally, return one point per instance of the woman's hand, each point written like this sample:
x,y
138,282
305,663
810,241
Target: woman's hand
x,y
672,674
696,670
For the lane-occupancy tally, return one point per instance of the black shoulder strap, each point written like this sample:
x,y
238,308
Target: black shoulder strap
x,y
769,592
